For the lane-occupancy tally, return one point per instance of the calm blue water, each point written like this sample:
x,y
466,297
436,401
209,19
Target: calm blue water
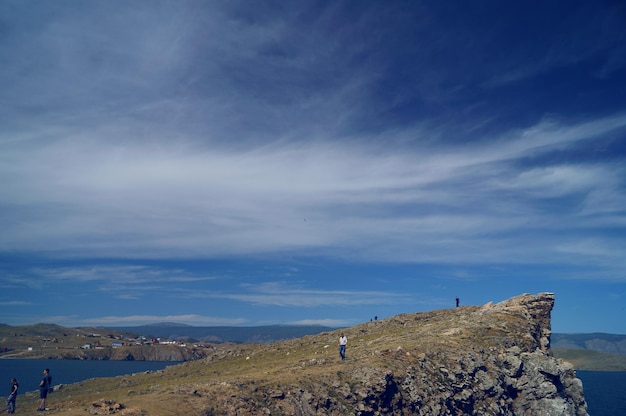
x,y
29,372
605,392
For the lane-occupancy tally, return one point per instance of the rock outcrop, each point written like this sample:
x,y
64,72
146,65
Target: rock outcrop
x,y
489,360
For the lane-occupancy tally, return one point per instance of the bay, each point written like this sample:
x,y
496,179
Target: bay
x,y
29,372
605,392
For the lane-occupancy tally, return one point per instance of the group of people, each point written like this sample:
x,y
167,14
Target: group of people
x,y
45,386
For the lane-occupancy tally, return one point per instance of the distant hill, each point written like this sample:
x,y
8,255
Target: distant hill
x,y
45,331
591,360
601,342
238,334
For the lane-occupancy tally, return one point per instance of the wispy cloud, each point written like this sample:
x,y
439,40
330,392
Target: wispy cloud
x,y
118,274
287,294
104,200
15,303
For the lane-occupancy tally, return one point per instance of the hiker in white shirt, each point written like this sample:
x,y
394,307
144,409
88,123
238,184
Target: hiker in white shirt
x,y
343,342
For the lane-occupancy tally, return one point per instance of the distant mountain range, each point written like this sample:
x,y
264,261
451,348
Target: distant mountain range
x,y
601,342
238,334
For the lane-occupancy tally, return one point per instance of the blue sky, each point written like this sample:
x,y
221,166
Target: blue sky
x,y
310,162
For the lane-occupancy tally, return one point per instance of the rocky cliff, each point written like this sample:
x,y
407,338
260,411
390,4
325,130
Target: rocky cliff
x,y
489,360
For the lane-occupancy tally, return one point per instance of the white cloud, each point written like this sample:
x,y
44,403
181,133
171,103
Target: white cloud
x,y
283,294
129,199
122,275
15,303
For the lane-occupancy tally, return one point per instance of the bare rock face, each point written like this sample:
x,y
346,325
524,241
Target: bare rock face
x,y
105,407
536,309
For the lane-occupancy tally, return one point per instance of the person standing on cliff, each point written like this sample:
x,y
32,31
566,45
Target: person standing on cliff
x,y
44,387
343,342
12,396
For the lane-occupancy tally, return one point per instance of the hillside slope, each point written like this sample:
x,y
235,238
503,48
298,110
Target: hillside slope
x,y
489,360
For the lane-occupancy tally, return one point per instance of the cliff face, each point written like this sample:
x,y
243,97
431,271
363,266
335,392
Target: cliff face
x,y
489,360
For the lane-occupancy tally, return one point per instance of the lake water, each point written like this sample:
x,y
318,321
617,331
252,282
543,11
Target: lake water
x,y
30,372
605,391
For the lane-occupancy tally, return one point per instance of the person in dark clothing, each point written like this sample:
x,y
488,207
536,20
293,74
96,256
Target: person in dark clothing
x,y
44,386
12,396
457,302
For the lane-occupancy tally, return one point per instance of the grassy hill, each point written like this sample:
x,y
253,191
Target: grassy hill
x,y
56,342
42,336
591,360
594,351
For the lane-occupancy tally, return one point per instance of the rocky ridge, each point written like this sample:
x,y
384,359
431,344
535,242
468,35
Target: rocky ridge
x,y
488,360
